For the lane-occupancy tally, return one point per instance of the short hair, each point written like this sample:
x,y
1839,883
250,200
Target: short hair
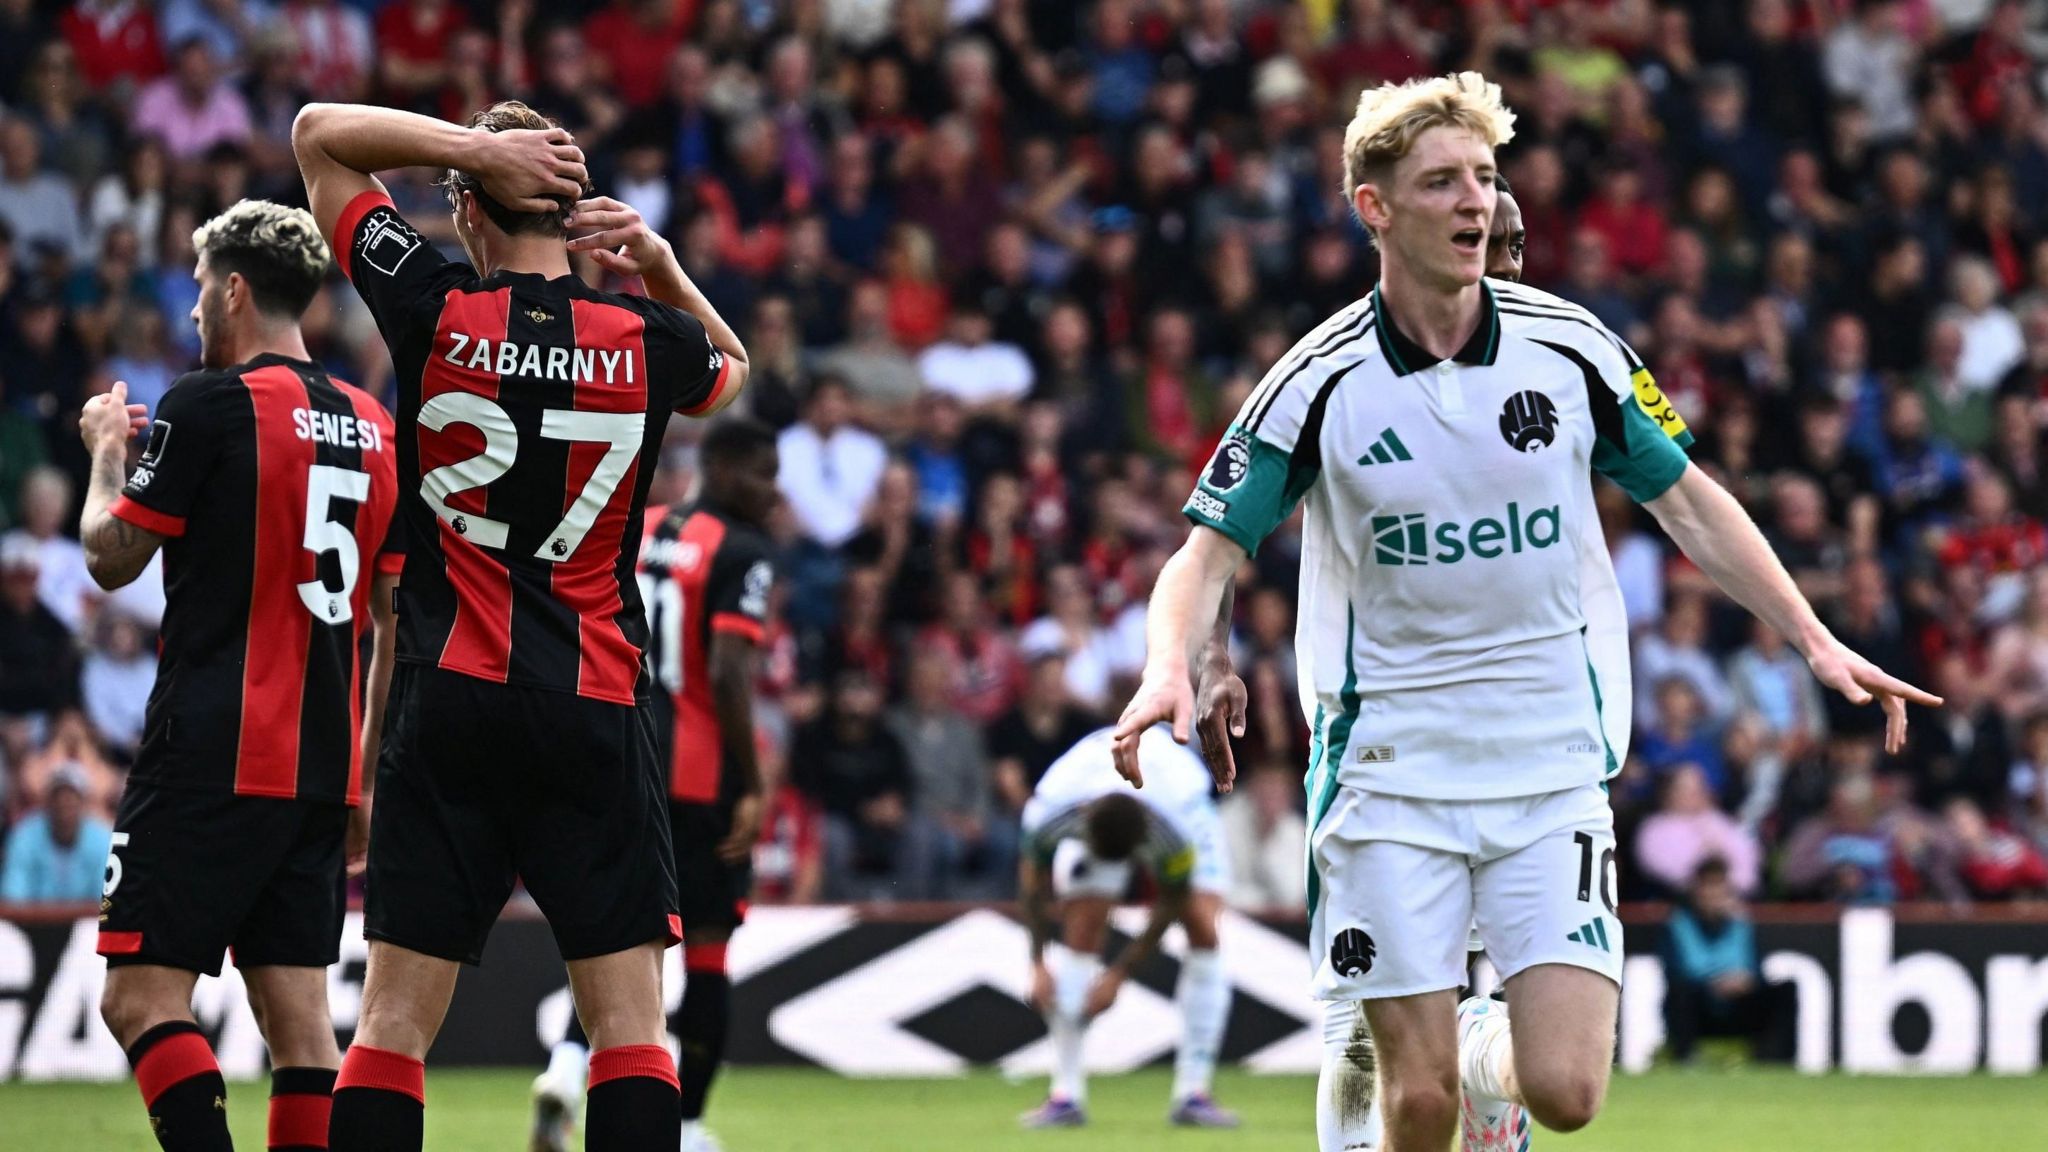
x,y
1712,868
1392,116
1116,826
507,116
278,250
732,440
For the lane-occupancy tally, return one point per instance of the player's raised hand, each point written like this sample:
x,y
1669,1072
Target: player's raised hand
x,y
1159,698
618,238
108,420
1840,668
532,169
1220,702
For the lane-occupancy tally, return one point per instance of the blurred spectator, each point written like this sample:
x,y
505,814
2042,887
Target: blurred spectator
x,y
38,663
63,585
1773,683
1869,58
133,198
856,770
789,860
116,680
1687,831
57,854
870,361
1992,344
1267,839
988,376
1681,736
69,742
1995,863
1919,475
1714,975
1956,411
1024,741
1677,649
192,109
829,467
987,670
1841,853
334,47
973,850
2016,666
1072,628
116,42
38,205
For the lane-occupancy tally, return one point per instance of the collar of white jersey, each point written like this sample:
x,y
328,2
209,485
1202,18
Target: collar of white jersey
x,y
1405,355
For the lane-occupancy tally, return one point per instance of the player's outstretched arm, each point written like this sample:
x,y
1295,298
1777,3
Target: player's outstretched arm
x,y
1179,621
622,243
116,551
734,660
1034,905
1714,532
338,146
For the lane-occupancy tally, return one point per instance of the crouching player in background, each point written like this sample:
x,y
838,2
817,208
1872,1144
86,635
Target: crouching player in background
x,y
1083,830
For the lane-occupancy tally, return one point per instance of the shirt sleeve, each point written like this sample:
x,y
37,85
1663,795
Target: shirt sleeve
x,y
1634,446
1270,456
393,267
698,374
736,596
181,453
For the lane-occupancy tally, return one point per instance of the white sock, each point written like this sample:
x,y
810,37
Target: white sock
x,y
1203,994
691,1130
1347,1097
1483,1059
569,1061
1072,974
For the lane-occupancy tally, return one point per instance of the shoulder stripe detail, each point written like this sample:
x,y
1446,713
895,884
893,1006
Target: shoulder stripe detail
x,y
1619,345
1600,399
1349,332
1308,445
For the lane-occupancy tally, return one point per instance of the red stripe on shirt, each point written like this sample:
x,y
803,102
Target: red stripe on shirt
x,y
588,581
351,217
280,630
697,756
480,641
119,943
373,523
739,624
146,518
718,387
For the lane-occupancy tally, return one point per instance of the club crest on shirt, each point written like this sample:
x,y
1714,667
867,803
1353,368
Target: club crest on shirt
x,y
754,589
538,315
1233,460
159,439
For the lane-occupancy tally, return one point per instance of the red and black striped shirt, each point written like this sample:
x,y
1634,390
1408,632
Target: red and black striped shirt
x,y
276,485
700,573
532,411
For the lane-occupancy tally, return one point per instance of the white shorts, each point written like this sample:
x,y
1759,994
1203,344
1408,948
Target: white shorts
x,y
1395,883
1076,871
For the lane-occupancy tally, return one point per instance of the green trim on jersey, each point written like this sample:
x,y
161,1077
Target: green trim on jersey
x,y
1599,711
1248,489
1648,463
1328,755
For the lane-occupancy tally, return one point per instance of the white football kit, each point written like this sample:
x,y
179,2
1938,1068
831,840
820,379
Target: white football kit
x,y
1461,641
1183,845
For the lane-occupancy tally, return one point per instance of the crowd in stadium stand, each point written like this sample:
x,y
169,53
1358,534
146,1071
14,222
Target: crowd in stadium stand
x,y
1006,268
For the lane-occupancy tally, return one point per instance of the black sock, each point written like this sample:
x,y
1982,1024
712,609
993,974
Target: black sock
x,y
380,1103
300,1099
632,1106
700,1024
181,1087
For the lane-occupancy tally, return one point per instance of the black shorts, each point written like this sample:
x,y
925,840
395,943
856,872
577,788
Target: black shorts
x,y
197,873
482,785
713,892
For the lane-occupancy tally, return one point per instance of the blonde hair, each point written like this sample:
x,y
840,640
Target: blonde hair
x,y
278,250
1392,116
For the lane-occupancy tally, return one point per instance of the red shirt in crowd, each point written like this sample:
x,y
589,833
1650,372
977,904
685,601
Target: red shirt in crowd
x,y
1634,233
638,54
418,33
2012,545
114,40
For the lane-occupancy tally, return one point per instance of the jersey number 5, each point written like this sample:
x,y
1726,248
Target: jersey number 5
x,y
324,485
619,432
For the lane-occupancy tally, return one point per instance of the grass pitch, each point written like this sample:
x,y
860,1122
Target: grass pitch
x,y
806,1111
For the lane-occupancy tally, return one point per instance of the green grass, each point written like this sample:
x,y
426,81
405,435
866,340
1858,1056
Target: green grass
x,y
774,1111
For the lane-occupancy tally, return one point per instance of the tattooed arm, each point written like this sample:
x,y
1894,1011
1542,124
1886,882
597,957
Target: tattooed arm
x,y
116,551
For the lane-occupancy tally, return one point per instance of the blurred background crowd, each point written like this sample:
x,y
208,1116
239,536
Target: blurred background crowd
x,y
1006,268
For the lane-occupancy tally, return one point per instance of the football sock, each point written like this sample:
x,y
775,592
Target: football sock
x,y
570,1059
700,1023
300,1099
182,1089
633,1103
1485,1055
1071,976
380,1102
1347,1111
1203,995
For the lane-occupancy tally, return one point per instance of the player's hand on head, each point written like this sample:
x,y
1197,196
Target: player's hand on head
x,y
109,419
1838,667
1220,702
532,169
616,236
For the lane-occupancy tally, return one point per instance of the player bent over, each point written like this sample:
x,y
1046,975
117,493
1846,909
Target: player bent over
x,y
269,485
1084,829
1442,433
521,745
705,575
